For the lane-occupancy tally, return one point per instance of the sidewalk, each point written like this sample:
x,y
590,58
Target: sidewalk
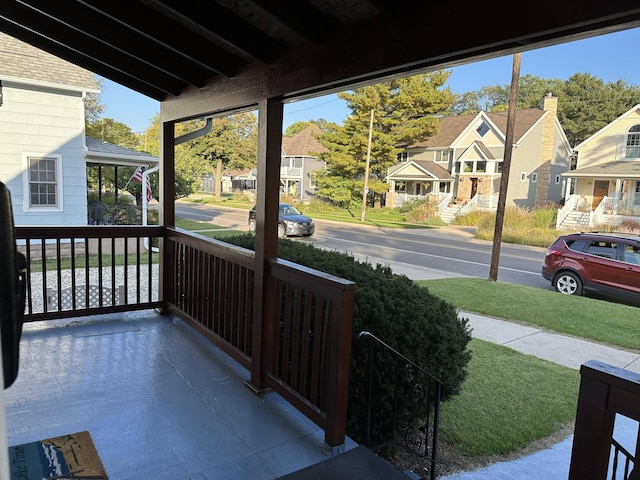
x,y
551,463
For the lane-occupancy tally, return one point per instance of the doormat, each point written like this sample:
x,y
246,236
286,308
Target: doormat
x,y
66,457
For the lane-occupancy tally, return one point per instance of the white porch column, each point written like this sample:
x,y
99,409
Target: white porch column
x,y
617,195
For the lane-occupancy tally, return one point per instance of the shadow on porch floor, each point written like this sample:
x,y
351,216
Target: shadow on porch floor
x,y
159,401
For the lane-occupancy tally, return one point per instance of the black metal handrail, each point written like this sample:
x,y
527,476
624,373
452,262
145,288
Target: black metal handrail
x,y
627,457
403,402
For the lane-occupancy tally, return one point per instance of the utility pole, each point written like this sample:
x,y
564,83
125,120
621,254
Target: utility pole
x,y
366,170
506,166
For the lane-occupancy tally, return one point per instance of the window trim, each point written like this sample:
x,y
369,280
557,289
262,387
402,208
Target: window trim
x,y
26,191
534,177
523,176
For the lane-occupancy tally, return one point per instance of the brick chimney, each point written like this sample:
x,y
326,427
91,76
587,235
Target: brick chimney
x,y
549,105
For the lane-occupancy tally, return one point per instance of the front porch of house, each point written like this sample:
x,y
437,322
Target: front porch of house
x,y
159,400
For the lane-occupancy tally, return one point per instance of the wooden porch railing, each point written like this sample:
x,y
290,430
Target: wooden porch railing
x,y
74,271
605,391
210,286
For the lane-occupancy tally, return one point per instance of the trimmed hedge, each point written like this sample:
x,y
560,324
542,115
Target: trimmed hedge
x,y
421,326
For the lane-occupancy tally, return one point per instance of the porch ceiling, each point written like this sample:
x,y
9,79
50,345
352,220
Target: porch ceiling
x,y
230,54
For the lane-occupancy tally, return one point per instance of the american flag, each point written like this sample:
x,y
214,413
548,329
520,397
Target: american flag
x,y
137,176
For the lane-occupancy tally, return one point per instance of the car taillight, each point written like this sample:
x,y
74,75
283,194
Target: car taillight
x,y
553,251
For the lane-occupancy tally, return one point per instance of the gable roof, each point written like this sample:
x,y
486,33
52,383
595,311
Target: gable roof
x,y
304,143
635,108
20,61
106,153
451,128
431,168
479,146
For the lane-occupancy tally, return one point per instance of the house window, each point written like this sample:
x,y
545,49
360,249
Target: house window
x,y
403,157
557,179
43,181
312,180
442,156
633,142
401,187
296,162
483,129
481,166
534,177
523,176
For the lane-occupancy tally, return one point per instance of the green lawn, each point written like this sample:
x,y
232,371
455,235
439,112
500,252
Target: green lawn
x,y
583,317
507,401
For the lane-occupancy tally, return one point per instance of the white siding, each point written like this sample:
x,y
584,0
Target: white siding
x,y
43,123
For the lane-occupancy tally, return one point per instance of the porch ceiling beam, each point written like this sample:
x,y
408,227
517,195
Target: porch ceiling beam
x,y
338,63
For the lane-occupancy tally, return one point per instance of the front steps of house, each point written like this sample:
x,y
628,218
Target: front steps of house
x,y
576,221
448,215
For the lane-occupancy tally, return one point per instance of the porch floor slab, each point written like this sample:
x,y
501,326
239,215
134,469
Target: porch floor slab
x,y
159,401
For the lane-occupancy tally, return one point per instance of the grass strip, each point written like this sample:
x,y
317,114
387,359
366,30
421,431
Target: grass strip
x,y
589,318
508,401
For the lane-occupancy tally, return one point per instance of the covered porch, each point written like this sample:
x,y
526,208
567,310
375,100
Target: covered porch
x,y
288,326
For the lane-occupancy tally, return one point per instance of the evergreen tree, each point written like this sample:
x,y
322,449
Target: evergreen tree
x,y
404,110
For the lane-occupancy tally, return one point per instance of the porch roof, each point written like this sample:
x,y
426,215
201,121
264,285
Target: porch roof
x,y
618,169
105,153
225,55
432,171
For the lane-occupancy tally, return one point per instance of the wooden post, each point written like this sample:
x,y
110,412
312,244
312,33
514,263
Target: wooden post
x,y
167,213
339,366
506,166
270,114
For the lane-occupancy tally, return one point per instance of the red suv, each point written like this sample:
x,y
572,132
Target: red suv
x,y
603,263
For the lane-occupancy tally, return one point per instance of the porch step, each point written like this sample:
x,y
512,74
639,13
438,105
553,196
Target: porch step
x,y
448,215
576,221
359,463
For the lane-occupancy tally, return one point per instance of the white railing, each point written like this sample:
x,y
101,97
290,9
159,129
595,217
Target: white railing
x,y
444,202
290,171
469,207
595,215
569,206
401,198
488,202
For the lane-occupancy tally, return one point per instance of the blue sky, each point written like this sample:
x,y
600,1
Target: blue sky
x,y
610,57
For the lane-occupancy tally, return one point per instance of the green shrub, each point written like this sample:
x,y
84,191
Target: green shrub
x,y
421,326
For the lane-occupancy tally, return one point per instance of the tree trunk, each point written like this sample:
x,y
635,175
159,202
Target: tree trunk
x,y
219,179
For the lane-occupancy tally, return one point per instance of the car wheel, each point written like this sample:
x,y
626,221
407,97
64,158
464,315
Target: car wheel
x,y
281,231
568,283
252,226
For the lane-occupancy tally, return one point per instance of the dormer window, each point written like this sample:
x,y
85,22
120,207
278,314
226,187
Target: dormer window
x,y
482,129
403,157
633,142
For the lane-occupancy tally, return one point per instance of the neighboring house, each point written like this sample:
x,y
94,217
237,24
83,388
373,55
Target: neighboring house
x,y
300,163
42,137
42,133
604,187
470,149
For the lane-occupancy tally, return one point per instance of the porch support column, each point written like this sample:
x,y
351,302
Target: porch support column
x,y
270,114
617,196
166,214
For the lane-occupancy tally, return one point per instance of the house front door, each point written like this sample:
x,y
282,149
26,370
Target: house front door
x,y
474,187
600,190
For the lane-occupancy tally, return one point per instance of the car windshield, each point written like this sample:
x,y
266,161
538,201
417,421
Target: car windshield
x,y
289,210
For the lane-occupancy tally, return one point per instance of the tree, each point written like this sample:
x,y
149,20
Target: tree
x,y
405,110
109,130
93,106
585,103
296,127
231,144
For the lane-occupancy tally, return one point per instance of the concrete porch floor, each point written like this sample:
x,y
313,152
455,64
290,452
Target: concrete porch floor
x,y
159,401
